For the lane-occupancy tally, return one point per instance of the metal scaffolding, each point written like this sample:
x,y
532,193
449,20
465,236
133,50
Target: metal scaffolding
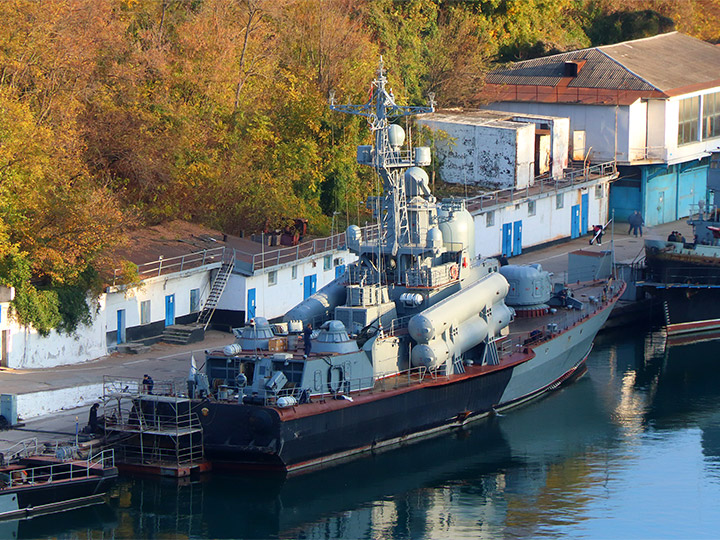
x,y
151,426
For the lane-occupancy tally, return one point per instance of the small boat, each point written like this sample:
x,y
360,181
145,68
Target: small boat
x,y
38,483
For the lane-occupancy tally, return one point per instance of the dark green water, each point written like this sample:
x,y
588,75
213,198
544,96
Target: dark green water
x,y
632,450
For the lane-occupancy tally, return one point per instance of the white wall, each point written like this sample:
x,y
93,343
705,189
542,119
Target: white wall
x,y
28,349
274,300
598,122
156,289
657,128
686,152
548,224
493,155
637,132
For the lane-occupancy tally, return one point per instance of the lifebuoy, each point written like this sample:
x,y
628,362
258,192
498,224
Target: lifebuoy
x,y
454,272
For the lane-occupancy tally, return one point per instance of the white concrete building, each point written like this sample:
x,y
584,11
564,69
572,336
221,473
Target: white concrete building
x,y
532,209
507,228
498,149
177,264
652,104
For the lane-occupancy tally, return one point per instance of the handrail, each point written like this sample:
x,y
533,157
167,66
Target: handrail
x,y
64,470
162,266
542,185
256,261
23,448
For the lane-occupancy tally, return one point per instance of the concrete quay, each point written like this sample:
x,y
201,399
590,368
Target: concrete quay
x,y
49,400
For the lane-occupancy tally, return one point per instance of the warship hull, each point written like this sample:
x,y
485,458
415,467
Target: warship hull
x,y
330,431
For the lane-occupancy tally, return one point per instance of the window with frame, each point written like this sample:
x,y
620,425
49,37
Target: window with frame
x,y
145,312
599,192
272,277
194,300
327,262
490,218
711,116
689,109
293,272
531,208
559,200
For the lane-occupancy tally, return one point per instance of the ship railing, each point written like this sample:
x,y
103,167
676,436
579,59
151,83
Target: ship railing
x,y
401,323
518,342
134,420
686,278
429,276
104,458
371,384
24,448
54,472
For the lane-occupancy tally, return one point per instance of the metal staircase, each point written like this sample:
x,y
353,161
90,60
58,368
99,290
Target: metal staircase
x,y
216,291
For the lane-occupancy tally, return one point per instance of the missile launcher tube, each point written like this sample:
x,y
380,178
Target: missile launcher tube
x,y
470,333
458,307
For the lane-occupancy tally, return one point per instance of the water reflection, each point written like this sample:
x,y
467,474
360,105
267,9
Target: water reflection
x,y
595,459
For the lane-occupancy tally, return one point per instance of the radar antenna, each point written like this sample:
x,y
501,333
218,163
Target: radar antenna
x,y
388,160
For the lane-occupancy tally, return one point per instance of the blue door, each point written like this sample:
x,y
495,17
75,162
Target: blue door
x,y
507,240
339,270
517,238
121,326
251,304
584,211
310,286
169,310
575,221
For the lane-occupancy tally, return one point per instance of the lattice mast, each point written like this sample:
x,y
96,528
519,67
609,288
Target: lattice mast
x,y
388,159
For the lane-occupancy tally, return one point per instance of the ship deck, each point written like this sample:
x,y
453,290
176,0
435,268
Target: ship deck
x,y
589,293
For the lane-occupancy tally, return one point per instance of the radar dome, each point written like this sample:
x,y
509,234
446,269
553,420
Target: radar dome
x,y
458,230
396,135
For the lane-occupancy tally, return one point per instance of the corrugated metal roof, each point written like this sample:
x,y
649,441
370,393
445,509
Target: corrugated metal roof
x,y
668,61
663,63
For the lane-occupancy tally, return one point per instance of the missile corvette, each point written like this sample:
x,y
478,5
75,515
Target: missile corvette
x,y
418,337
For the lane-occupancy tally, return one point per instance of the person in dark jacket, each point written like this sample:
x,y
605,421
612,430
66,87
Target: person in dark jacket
x,y
307,339
93,418
636,222
148,384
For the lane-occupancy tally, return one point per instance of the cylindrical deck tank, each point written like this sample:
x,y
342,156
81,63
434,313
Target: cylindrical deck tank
x,y
458,307
320,305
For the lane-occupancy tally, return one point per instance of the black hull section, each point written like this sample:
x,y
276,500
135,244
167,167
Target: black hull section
x,y
688,308
682,268
245,436
35,499
688,289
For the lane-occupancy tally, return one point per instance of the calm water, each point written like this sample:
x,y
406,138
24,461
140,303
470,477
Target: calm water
x,y
632,450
